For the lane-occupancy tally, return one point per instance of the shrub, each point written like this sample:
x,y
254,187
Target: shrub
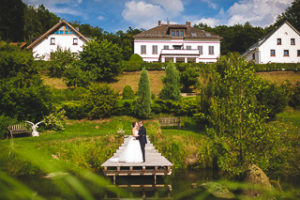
x,y
74,76
295,96
189,77
101,101
171,89
59,60
55,121
143,102
128,92
125,107
75,110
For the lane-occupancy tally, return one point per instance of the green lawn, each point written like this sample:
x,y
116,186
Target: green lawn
x,y
290,115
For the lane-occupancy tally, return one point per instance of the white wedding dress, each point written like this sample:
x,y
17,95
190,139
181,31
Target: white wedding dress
x,y
132,152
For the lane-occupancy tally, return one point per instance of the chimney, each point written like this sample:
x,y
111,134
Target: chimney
x,y
159,22
188,23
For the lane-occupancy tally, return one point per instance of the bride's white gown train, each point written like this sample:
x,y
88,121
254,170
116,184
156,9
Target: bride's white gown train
x,y
132,152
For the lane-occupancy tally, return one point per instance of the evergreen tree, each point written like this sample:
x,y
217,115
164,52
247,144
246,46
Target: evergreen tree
x,y
171,89
128,92
143,103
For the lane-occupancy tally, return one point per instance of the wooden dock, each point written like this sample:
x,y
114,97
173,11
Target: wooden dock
x,y
155,165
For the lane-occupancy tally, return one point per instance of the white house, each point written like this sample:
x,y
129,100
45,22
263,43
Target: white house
x,y
280,46
179,43
61,35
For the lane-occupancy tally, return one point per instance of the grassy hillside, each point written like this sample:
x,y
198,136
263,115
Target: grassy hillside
x,y
131,78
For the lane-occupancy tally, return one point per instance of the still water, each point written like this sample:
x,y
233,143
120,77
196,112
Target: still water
x,y
182,184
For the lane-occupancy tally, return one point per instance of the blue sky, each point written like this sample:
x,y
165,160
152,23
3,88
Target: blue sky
x,y
114,15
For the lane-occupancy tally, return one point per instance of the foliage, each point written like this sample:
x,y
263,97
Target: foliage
x,y
55,120
22,93
143,102
295,96
128,92
188,78
5,121
125,107
274,98
101,59
171,89
12,20
75,76
101,100
238,120
59,60
134,64
277,67
291,15
75,110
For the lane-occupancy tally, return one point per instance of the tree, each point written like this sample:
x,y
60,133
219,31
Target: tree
x,y
74,76
239,122
12,20
291,14
143,102
188,78
128,92
101,100
171,89
101,59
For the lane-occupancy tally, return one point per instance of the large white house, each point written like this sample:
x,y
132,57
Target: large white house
x,y
178,43
280,46
62,35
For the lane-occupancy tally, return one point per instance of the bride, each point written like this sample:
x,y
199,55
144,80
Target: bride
x,y
132,152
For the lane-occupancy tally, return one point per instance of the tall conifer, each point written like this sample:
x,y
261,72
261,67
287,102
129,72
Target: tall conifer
x,y
143,102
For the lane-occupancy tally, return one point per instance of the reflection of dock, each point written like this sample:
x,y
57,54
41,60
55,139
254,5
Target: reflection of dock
x,y
155,165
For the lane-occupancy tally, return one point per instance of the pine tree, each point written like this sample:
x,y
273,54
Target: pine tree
x,y
143,102
171,89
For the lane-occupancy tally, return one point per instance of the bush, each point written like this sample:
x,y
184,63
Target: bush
x,y
189,77
125,107
74,76
59,60
128,92
277,67
75,110
101,101
295,96
55,121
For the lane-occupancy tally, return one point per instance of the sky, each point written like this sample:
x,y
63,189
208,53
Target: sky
x,y
115,15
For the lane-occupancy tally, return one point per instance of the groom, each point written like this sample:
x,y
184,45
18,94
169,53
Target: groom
x,y
142,138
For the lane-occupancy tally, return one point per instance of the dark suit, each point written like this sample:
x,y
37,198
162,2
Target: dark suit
x,y
143,140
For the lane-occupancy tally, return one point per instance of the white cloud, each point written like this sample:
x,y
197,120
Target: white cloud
x,y
100,17
173,8
146,13
257,12
210,3
212,22
142,14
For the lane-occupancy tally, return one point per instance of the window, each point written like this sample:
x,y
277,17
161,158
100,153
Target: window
x,y
52,41
66,32
278,41
154,49
177,33
188,47
61,32
143,49
200,48
177,47
292,41
298,53
166,47
211,50
272,52
253,56
173,33
286,53
75,41
181,33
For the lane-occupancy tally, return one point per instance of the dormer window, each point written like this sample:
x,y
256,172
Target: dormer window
x,y
173,33
177,32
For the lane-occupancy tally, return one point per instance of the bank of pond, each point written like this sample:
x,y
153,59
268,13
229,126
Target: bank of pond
x,y
67,164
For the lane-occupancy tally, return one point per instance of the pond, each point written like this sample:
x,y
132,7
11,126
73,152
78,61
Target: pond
x,y
182,184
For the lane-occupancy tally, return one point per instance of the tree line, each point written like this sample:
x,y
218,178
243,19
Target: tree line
x,y
20,22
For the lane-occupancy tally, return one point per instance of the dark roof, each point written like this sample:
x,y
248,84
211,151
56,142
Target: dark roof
x,y
55,27
262,40
163,31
